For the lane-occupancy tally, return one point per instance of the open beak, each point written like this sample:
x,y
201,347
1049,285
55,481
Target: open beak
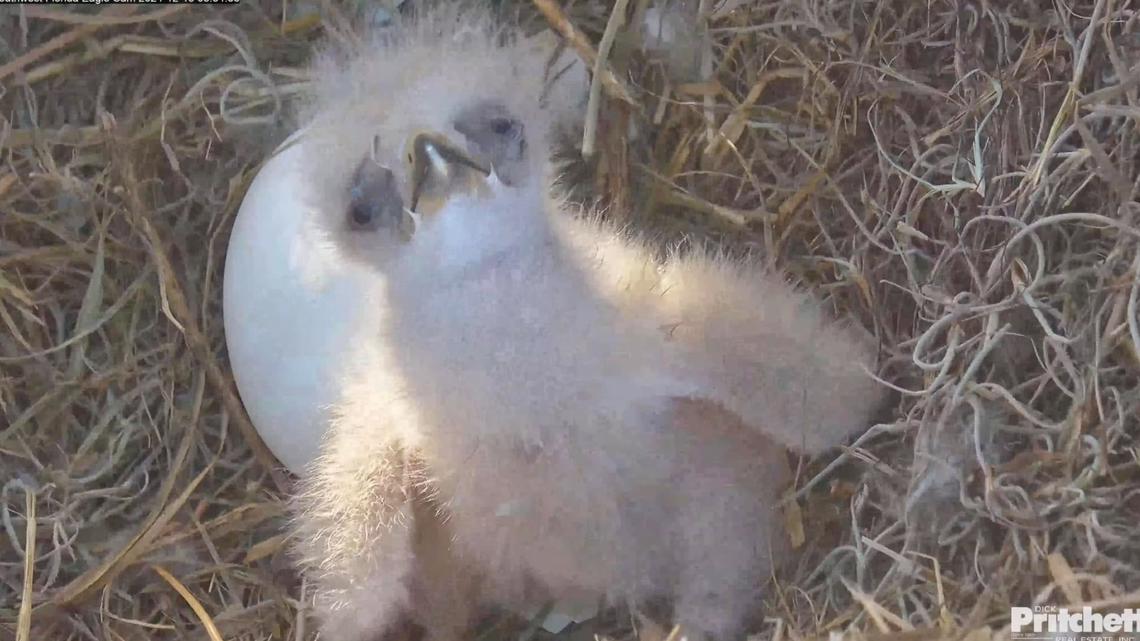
x,y
439,167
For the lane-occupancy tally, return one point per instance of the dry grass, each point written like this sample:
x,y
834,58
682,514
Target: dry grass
x,y
962,176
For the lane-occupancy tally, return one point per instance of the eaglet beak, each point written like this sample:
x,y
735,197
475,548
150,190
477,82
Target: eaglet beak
x,y
439,169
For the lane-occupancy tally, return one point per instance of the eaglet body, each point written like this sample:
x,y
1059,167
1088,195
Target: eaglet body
x,y
557,432
548,409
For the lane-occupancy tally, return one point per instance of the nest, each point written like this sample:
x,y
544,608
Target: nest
x,y
960,176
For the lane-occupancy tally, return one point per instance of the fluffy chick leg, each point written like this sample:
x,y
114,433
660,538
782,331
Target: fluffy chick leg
x,y
444,588
728,523
354,536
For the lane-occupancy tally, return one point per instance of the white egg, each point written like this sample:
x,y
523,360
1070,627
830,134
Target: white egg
x,y
292,311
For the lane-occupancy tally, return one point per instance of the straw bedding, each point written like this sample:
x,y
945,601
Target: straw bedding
x,y
960,176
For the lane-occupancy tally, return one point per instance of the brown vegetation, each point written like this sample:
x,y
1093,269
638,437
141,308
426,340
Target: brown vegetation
x,y
961,175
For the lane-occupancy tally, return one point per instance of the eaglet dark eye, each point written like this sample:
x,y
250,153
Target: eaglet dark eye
x,y
373,198
502,126
360,215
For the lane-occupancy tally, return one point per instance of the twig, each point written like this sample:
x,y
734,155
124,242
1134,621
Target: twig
x,y
1070,96
24,619
590,131
181,316
106,19
195,605
610,82
61,41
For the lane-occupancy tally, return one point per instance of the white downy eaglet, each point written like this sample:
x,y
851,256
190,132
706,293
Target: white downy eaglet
x,y
535,405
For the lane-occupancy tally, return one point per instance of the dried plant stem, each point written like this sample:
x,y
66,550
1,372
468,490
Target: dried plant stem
x,y
24,622
612,84
590,131
61,41
183,318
